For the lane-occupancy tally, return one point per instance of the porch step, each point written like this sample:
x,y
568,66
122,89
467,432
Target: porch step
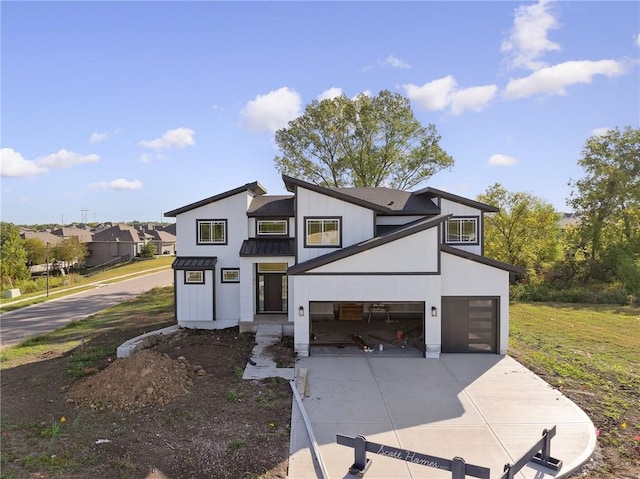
x,y
265,367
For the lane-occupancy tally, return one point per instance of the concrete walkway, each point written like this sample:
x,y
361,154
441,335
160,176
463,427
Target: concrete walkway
x,y
487,409
265,367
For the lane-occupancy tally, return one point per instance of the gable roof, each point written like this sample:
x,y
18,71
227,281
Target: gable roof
x,y
274,205
408,229
482,259
118,233
398,201
255,188
435,193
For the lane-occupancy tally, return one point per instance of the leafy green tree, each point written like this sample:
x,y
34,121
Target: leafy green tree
x,y
366,141
608,201
36,250
13,257
524,233
148,250
69,250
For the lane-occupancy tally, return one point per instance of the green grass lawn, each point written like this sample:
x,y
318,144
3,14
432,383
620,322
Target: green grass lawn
x,y
77,283
592,354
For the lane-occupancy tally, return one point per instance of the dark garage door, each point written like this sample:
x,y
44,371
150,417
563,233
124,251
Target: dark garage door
x,y
469,325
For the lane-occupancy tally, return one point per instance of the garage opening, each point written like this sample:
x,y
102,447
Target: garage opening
x,y
469,325
383,328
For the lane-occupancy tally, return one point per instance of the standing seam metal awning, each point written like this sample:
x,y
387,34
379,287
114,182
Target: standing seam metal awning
x,y
195,262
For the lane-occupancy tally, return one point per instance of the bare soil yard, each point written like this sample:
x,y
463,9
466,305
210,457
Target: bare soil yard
x,y
177,410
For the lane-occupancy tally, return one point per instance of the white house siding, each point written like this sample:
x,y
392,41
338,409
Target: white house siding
x,y
357,222
364,289
248,284
194,302
396,220
234,210
415,253
463,277
456,209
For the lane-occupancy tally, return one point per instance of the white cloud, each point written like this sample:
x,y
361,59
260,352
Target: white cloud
x,y
435,95
66,159
528,40
443,93
146,157
177,138
475,98
98,137
271,111
600,131
13,164
501,160
637,40
329,94
119,184
395,62
553,80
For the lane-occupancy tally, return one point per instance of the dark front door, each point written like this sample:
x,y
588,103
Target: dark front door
x,y
469,325
272,293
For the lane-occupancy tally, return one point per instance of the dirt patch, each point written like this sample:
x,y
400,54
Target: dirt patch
x,y
282,353
177,410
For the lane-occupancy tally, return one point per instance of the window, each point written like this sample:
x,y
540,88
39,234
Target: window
x,y
212,231
272,227
194,277
272,267
230,275
462,231
322,232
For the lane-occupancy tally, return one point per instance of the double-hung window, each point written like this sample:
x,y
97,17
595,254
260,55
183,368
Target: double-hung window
x,y
212,231
322,232
461,231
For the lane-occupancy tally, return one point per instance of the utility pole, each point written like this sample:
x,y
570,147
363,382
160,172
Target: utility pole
x,y
47,260
83,217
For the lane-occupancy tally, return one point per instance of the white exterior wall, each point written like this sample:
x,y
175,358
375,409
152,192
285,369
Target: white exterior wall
x,y
396,220
456,209
357,222
234,210
463,277
417,253
194,302
365,289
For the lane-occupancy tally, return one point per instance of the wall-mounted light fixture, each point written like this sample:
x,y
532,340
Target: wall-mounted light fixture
x,y
301,311
434,311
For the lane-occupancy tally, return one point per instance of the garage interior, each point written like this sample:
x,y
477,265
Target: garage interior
x,y
381,328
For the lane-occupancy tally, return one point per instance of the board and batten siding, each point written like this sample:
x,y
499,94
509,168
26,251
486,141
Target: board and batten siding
x,y
194,302
357,222
417,253
463,277
234,210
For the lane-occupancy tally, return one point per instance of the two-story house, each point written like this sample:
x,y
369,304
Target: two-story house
x,y
376,263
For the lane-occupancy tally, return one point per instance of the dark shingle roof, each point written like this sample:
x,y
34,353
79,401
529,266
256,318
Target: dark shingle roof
x,y
435,193
118,233
275,205
268,247
195,262
398,201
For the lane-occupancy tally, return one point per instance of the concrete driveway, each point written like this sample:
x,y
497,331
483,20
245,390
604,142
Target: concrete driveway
x,y
486,409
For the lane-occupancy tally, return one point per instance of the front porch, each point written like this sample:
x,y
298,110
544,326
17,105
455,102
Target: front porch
x,y
280,319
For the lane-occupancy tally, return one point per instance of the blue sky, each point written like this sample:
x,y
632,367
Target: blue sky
x,y
129,109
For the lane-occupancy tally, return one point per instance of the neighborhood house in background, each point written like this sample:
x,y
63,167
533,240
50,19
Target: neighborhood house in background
x,y
333,256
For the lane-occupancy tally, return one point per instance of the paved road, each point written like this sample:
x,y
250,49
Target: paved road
x,y
44,317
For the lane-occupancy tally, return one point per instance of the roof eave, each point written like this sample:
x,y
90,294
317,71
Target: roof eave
x,y
482,259
255,188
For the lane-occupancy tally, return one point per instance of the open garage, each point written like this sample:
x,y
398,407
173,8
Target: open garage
x,y
382,328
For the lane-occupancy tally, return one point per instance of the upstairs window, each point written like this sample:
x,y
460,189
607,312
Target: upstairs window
x,y
322,232
461,231
272,227
212,231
